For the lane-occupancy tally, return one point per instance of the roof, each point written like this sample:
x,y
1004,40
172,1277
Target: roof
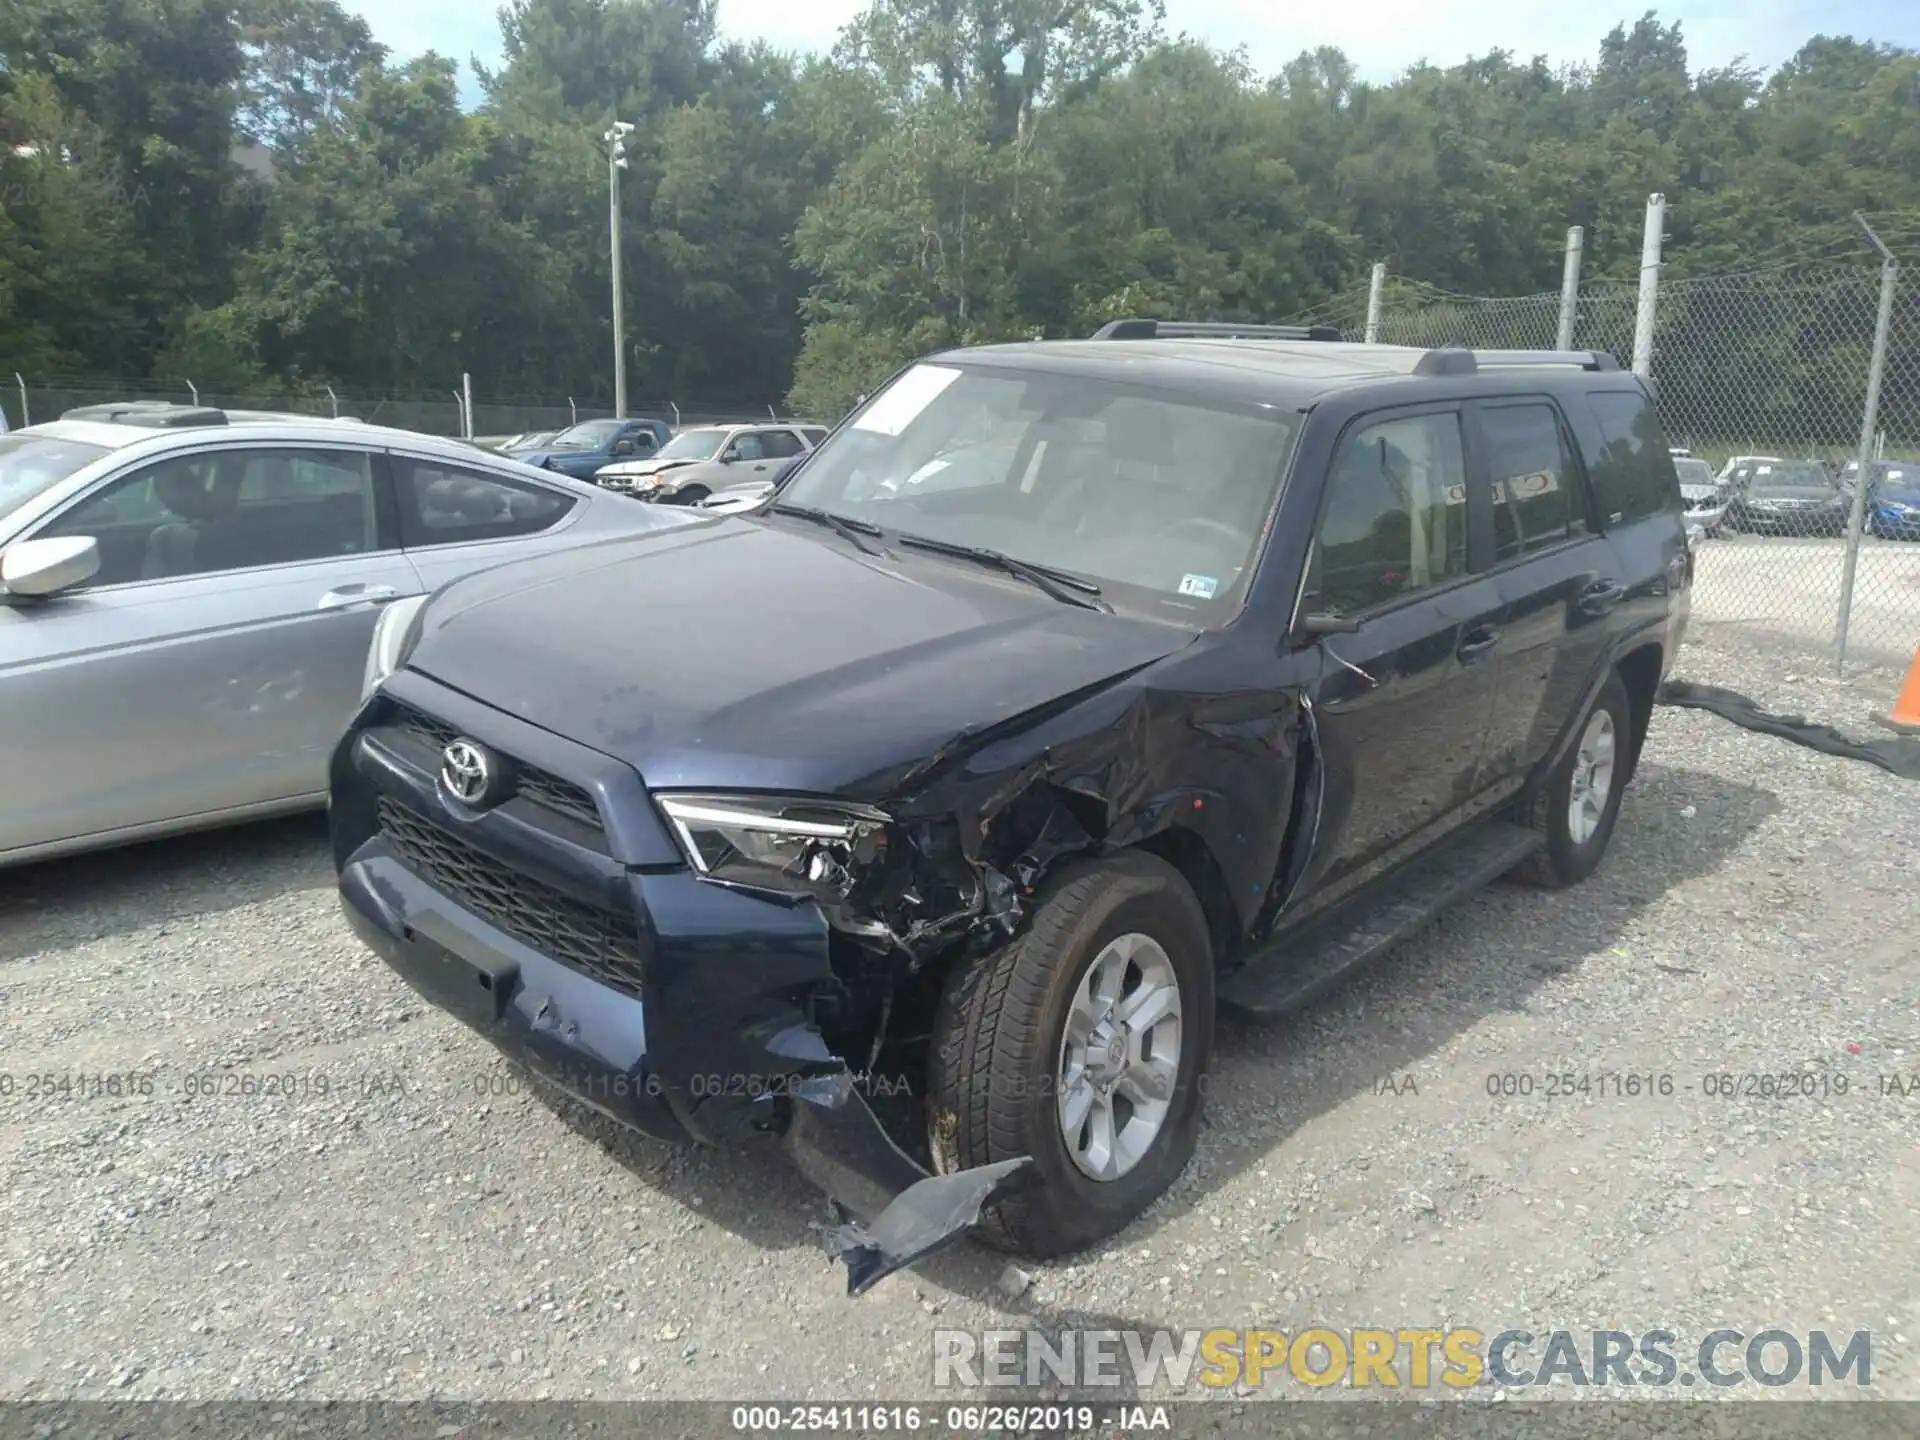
x,y
1287,370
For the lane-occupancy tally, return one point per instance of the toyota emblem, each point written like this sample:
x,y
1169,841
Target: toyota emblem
x,y
467,771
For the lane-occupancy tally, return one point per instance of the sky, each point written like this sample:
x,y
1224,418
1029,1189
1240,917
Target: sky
x,y
1381,37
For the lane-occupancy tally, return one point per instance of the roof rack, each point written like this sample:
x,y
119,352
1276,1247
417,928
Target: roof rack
x,y
1211,330
153,414
1458,360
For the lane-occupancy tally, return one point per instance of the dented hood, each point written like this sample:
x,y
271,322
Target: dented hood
x,y
745,654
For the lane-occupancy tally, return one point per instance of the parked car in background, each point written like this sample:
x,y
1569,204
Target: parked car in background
x,y
186,602
1739,469
506,444
1251,656
1787,497
706,458
581,449
1893,497
1705,497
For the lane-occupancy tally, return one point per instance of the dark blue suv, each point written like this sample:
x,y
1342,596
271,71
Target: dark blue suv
x,y
1068,690
582,449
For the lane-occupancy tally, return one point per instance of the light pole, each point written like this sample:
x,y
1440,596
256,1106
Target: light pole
x,y
616,142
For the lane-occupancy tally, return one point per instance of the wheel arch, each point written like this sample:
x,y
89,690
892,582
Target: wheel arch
x,y
1639,670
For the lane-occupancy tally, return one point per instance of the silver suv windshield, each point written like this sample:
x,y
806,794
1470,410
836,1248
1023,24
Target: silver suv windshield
x,y
693,445
31,464
1159,499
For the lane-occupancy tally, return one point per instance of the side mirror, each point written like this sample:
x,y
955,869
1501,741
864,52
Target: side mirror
x,y
46,567
1313,626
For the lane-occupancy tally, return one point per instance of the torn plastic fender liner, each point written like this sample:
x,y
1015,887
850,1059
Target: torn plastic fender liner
x,y
903,1212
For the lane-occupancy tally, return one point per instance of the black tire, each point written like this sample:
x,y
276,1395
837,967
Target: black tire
x,y
692,495
1564,861
992,1088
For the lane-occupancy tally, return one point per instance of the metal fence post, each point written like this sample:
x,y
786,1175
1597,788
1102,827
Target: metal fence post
x,y
1869,420
333,400
192,389
1376,293
573,412
26,415
1649,284
1570,285
466,400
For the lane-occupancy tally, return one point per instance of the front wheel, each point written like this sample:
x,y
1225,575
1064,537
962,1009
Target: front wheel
x,y
1577,807
1082,1044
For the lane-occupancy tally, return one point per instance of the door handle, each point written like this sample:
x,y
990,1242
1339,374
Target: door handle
x,y
350,595
1477,643
1601,596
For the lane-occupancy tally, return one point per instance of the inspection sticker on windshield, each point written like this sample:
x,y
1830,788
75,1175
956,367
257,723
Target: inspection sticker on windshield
x,y
906,398
1201,587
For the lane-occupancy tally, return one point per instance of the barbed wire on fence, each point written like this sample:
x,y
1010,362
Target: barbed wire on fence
x,y
43,398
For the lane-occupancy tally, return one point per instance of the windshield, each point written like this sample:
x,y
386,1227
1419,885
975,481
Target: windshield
x,y
30,464
692,445
1791,475
1694,472
1120,485
588,435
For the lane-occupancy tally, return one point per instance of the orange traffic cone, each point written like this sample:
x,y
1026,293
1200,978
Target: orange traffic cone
x,y
1905,716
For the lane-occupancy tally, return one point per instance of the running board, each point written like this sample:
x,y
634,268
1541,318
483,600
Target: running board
x,y
1299,964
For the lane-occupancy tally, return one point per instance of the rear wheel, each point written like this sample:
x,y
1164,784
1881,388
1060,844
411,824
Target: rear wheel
x,y
1081,1044
1576,809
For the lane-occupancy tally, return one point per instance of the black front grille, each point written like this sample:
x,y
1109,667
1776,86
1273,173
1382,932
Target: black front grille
x,y
531,783
598,942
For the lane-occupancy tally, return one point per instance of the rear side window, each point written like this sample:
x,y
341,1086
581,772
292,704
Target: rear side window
x,y
444,504
1632,474
1533,482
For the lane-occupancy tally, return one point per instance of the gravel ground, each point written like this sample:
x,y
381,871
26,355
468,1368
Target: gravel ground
x,y
426,1228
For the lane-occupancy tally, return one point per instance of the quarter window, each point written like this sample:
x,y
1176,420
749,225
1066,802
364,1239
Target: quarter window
x,y
1633,475
1394,519
448,505
779,444
1532,480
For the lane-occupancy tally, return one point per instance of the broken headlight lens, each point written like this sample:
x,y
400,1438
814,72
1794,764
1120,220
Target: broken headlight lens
x,y
799,847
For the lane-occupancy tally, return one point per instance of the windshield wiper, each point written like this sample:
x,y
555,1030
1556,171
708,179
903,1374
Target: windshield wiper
x,y
1068,589
849,530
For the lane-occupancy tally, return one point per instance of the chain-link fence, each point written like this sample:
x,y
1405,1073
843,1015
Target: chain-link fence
x,y
1761,376
29,399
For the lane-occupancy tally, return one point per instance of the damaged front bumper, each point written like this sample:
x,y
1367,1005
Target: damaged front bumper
x,y
592,1041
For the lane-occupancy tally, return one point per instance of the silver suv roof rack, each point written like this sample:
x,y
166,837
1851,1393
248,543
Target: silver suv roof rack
x,y
1458,360
1211,330
153,414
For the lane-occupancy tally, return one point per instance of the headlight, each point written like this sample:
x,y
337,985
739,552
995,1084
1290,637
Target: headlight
x,y
394,634
799,847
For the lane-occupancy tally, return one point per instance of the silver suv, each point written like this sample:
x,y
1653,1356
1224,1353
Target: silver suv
x,y
705,458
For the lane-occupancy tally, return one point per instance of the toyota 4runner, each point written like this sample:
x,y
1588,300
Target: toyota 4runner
x,y
1069,690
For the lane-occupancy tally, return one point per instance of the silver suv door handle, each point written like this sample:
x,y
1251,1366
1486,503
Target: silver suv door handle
x,y
349,595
